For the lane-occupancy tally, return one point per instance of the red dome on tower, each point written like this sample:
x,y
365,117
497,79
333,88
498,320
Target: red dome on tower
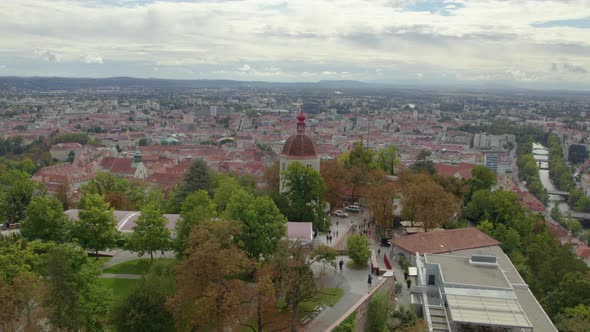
x,y
300,145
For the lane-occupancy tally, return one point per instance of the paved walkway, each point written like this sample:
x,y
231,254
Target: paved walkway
x,y
121,256
353,282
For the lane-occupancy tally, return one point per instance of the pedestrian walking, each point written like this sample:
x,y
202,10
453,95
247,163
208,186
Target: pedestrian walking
x,y
369,282
341,263
162,254
330,238
336,222
379,252
336,233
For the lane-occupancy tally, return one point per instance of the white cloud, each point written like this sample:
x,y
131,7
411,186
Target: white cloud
x,y
246,68
90,59
481,39
47,55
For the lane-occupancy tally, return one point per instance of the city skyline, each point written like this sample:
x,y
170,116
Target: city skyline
x,y
533,44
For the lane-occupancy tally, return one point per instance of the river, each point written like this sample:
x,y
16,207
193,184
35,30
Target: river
x,y
541,155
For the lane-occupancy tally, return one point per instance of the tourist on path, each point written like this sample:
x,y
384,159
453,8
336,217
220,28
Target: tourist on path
x,y
341,263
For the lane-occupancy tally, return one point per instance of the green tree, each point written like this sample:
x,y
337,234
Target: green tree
x,y
71,157
45,220
357,248
407,317
75,299
226,186
196,208
483,177
497,206
144,309
324,254
143,142
574,319
197,178
378,313
96,225
423,163
305,193
347,325
121,194
359,155
150,233
262,224
573,290
386,159
16,191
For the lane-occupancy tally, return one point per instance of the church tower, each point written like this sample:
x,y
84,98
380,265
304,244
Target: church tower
x,y
299,148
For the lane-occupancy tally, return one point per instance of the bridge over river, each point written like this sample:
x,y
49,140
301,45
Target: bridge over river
x,y
564,194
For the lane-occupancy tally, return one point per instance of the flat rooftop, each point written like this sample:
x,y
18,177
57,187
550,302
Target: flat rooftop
x,y
505,286
457,270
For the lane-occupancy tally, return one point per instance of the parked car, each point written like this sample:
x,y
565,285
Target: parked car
x,y
340,213
385,242
353,208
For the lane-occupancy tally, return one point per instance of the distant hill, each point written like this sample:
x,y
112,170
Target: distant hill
x,y
65,83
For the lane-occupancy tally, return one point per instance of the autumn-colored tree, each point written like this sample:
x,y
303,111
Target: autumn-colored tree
x,y
20,301
334,175
209,294
454,185
294,278
357,177
380,198
262,299
428,203
272,178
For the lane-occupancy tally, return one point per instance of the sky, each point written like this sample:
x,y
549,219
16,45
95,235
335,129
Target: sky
x,y
521,43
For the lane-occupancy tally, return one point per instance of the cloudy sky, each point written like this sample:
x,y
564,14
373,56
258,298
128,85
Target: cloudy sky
x,y
519,42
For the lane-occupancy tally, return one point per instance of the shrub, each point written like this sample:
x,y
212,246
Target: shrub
x,y
378,314
357,248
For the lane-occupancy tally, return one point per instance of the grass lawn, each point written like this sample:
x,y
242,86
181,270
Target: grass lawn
x,y
120,287
354,266
327,296
136,266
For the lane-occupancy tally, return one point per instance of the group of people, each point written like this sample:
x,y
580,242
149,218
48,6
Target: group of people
x,y
329,236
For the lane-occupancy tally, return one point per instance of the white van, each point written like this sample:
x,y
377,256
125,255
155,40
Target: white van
x,y
353,208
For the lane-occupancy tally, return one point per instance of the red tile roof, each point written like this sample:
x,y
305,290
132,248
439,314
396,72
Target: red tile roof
x,y
118,165
583,251
443,241
462,169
